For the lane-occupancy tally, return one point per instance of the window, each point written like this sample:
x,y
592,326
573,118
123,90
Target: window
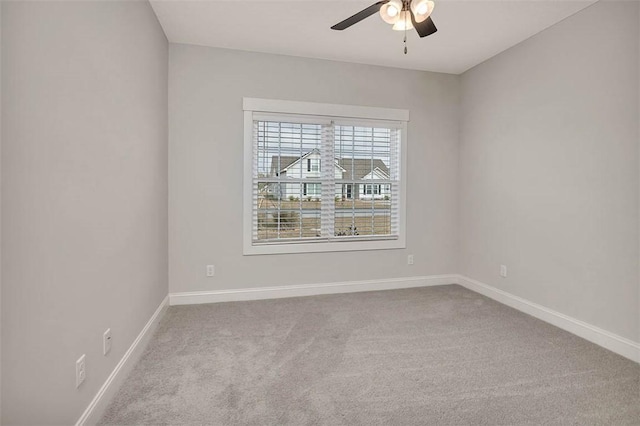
x,y
313,164
322,177
348,190
372,189
311,189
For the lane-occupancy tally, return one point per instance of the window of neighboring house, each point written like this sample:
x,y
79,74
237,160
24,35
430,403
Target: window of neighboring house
x,y
353,153
313,165
311,189
372,189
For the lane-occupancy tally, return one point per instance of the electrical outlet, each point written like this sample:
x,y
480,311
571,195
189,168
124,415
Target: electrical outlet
x,y
410,259
80,371
211,270
106,341
503,271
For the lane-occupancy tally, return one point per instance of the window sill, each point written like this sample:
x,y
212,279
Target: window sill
x,y
251,249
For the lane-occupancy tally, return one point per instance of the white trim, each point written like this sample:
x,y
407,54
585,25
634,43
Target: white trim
x,y
618,344
402,225
292,118
324,246
328,110
247,190
259,293
100,402
251,105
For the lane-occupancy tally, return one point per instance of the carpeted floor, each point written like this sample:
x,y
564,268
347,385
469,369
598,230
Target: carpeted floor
x,y
428,356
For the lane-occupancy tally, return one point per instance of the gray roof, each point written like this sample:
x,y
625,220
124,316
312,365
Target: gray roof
x,y
355,168
285,161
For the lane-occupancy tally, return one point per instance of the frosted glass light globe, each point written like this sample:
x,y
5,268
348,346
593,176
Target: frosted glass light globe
x,y
404,22
390,12
422,9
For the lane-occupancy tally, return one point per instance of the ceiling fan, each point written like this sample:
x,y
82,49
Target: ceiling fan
x,y
402,14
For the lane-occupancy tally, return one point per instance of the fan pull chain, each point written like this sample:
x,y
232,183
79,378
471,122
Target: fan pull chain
x,y
405,34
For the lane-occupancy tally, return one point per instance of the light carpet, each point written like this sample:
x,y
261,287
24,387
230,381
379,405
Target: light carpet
x,y
434,355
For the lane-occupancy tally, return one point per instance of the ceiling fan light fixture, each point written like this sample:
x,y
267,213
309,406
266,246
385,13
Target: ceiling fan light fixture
x,y
422,9
400,13
404,23
390,12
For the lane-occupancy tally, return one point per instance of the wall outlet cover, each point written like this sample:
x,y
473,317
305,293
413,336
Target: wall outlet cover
x,y
106,341
80,371
503,271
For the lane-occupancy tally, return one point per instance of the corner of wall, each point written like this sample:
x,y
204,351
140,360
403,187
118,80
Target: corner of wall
x,y
458,234
0,211
638,137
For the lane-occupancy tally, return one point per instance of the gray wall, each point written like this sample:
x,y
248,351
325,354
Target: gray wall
x,y
549,168
206,87
84,196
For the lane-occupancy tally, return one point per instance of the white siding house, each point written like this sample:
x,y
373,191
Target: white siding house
x,y
307,168
377,191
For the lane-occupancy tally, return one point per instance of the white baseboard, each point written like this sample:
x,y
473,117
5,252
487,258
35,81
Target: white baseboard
x,y
197,297
99,403
618,344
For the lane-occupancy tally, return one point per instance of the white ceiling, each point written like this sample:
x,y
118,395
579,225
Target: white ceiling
x,y
469,31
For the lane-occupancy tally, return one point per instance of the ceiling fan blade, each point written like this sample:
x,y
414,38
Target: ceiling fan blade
x,y
365,13
424,28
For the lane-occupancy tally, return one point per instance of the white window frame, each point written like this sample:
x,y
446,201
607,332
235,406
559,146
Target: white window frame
x,y
334,112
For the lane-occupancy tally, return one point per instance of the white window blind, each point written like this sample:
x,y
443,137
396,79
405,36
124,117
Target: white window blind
x,y
369,159
323,181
